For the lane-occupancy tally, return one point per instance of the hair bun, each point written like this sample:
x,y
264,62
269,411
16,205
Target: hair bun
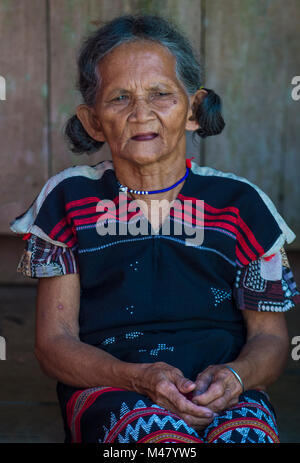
x,y
208,115
79,140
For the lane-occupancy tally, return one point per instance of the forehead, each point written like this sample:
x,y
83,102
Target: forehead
x,y
138,62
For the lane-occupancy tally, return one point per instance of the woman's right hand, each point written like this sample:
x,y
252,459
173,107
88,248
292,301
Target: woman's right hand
x,y
166,386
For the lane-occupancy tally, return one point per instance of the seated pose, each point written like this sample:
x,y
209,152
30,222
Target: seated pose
x,y
162,284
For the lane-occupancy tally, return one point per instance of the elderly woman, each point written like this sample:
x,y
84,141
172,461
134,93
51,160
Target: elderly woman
x,y
151,336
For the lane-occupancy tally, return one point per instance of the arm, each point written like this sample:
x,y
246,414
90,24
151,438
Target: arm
x,y
64,357
264,356
58,348
259,364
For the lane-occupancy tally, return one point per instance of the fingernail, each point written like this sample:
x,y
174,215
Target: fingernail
x,y
208,414
188,383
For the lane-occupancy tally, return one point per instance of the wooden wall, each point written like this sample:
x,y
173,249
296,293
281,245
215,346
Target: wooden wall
x,y
249,50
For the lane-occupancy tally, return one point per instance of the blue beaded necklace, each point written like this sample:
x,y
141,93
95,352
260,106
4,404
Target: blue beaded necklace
x,y
125,189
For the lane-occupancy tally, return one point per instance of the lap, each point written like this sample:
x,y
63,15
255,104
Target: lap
x,y
113,415
251,420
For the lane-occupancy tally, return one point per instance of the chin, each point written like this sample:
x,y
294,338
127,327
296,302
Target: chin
x,y
141,157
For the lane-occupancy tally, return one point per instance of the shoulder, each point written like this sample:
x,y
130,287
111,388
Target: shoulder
x,y
49,205
258,215
227,179
70,174
246,192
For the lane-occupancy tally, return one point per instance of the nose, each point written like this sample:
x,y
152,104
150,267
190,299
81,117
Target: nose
x,y
141,110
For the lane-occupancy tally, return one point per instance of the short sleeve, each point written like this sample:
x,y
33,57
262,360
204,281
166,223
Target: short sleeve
x,y
261,230
41,258
47,217
49,232
266,284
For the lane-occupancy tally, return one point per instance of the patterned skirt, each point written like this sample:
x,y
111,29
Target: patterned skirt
x,y
113,415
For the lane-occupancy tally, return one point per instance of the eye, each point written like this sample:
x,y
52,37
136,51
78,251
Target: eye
x,y
160,97
120,98
161,94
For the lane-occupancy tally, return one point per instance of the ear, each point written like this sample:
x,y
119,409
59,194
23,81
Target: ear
x,y
90,122
195,101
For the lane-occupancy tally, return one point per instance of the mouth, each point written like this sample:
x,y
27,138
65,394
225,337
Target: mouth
x,y
144,136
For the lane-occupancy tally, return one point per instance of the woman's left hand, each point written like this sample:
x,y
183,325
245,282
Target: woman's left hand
x,y
260,362
217,388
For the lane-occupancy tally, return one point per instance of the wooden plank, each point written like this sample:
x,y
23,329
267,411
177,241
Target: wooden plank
x,y
23,116
69,22
290,61
251,54
187,15
243,55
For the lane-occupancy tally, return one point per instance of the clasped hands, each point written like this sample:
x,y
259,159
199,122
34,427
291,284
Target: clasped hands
x,y
197,403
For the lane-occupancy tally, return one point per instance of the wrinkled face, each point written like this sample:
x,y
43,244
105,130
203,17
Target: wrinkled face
x,y
142,109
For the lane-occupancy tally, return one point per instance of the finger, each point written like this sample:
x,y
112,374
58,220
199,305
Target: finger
x,y
223,403
169,394
183,405
170,397
184,385
219,405
195,422
204,379
215,391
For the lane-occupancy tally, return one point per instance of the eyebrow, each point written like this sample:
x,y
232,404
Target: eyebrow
x,y
154,86
158,86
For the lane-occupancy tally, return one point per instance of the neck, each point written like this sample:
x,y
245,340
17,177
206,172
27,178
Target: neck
x,y
149,177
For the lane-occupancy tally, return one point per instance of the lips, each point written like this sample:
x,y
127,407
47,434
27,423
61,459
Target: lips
x,y
144,136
